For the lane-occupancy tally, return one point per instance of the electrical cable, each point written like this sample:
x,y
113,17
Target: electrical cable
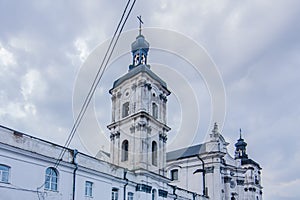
x,y
96,81
73,130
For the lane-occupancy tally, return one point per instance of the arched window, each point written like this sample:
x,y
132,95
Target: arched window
x,y
51,179
136,59
154,153
154,110
125,109
4,173
154,194
124,156
143,59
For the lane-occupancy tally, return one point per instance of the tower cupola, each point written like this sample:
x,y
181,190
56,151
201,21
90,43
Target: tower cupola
x,y
139,49
240,151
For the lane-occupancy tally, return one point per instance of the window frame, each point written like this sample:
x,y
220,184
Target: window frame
x,y
155,110
125,109
130,196
125,150
51,180
174,172
88,189
154,153
114,193
154,194
4,173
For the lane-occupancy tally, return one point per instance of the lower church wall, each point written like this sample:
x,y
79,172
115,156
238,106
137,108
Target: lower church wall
x,y
27,172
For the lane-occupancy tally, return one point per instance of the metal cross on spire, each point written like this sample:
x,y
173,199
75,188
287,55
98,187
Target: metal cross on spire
x,y
240,133
141,22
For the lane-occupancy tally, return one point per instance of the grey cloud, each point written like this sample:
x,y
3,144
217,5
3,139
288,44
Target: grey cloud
x,y
255,45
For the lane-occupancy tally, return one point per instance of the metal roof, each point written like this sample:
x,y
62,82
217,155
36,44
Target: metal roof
x,y
185,152
136,70
247,161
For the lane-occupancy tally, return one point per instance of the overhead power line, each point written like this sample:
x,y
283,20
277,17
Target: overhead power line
x,y
97,78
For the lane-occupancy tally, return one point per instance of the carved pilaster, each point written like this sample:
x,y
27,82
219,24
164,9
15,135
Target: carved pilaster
x,y
148,86
117,134
163,97
114,135
163,137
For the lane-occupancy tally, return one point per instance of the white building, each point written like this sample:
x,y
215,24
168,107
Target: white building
x,y
225,177
138,166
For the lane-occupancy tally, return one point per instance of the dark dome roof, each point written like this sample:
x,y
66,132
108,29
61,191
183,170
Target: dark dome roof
x,y
241,143
140,43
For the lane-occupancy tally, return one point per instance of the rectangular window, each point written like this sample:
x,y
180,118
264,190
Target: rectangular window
x,y
162,193
154,110
130,196
4,173
174,174
124,155
144,188
114,194
88,189
125,109
154,153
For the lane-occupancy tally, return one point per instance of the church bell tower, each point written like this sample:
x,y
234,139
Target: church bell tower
x,y
139,108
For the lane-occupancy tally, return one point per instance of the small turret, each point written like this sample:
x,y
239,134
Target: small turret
x,y
240,151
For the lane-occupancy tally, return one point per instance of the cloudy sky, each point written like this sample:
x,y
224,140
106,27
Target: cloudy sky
x,y
255,46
